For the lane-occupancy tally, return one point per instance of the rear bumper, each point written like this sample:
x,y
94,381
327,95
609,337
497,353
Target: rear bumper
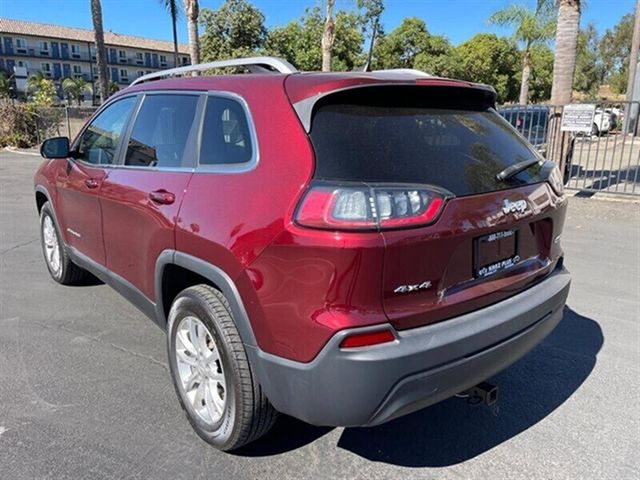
x,y
372,385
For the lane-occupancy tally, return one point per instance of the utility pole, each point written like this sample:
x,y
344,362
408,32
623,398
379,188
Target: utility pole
x,y
633,89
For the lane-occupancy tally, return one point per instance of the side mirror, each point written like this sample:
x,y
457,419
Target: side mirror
x,y
57,147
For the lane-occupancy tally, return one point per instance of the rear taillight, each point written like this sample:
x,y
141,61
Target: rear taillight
x,y
362,207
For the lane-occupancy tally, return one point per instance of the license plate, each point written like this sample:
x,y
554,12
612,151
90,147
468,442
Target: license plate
x,y
495,252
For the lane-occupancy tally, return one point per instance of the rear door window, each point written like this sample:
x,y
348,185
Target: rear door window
x,y
413,135
161,131
226,136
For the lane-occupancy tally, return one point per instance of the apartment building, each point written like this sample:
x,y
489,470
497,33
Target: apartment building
x,y
60,52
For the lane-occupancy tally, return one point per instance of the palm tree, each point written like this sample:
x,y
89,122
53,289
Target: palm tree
x,y
192,10
75,88
564,64
34,80
101,52
174,13
532,27
328,37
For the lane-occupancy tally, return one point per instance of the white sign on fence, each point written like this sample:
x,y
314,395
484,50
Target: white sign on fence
x,y
578,117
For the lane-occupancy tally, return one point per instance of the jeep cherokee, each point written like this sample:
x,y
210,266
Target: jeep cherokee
x,y
345,248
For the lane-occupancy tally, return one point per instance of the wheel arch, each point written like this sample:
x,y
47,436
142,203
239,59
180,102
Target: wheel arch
x,y
42,196
199,270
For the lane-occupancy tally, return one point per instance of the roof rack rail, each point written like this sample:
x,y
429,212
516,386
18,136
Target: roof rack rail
x,y
254,64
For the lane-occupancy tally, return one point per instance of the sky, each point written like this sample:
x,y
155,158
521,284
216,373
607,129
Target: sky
x,y
458,20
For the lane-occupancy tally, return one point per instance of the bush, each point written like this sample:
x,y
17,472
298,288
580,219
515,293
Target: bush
x,y
17,125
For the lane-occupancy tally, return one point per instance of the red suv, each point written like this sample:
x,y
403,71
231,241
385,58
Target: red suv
x,y
345,248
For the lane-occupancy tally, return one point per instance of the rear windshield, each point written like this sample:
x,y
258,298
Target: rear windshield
x,y
445,138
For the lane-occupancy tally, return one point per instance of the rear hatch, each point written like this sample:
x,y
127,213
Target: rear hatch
x,y
420,165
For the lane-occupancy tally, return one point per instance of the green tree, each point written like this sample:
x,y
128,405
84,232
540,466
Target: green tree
x,y
493,60
411,45
588,66
541,73
75,88
113,88
532,27
299,41
615,49
5,85
45,93
236,29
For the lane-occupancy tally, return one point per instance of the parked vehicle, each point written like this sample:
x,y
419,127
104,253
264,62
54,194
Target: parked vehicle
x,y
532,121
604,120
345,248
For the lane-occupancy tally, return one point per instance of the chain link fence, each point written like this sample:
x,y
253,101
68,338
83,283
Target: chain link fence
x,y
605,159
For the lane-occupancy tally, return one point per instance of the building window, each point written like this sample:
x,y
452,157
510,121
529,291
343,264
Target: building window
x,y
122,56
77,69
46,67
75,51
20,63
21,45
140,73
44,48
163,60
139,58
124,75
185,60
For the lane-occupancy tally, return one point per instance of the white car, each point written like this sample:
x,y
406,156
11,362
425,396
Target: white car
x,y
603,121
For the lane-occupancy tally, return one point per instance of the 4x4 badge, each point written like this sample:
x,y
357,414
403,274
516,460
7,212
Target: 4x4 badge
x,y
508,206
413,288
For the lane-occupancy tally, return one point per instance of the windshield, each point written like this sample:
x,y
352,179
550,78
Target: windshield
x,y
404,136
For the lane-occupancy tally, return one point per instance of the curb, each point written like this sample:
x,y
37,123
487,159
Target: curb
x,y
606,196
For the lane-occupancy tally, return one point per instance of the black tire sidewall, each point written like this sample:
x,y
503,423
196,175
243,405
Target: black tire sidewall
x,y
220,433
44,213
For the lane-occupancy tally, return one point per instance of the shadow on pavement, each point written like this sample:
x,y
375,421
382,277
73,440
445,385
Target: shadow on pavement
x,y
452,431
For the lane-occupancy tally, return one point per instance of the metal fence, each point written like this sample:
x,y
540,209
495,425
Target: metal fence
x,y
61,121
606,159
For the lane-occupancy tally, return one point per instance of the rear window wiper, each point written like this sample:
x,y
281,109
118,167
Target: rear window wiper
x,y
516,168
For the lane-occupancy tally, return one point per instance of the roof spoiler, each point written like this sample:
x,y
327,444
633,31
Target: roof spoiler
x,y
304,108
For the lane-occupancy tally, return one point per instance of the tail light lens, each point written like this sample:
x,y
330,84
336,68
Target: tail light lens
x,y
556,181
362,207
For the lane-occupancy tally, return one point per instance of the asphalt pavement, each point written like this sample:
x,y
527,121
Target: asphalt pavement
x,y
85,390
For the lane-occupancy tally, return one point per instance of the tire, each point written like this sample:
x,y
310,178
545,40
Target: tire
x,y
60,266
200,317
594,130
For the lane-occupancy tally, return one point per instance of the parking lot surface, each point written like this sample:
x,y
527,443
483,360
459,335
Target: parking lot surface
x,y
85,390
